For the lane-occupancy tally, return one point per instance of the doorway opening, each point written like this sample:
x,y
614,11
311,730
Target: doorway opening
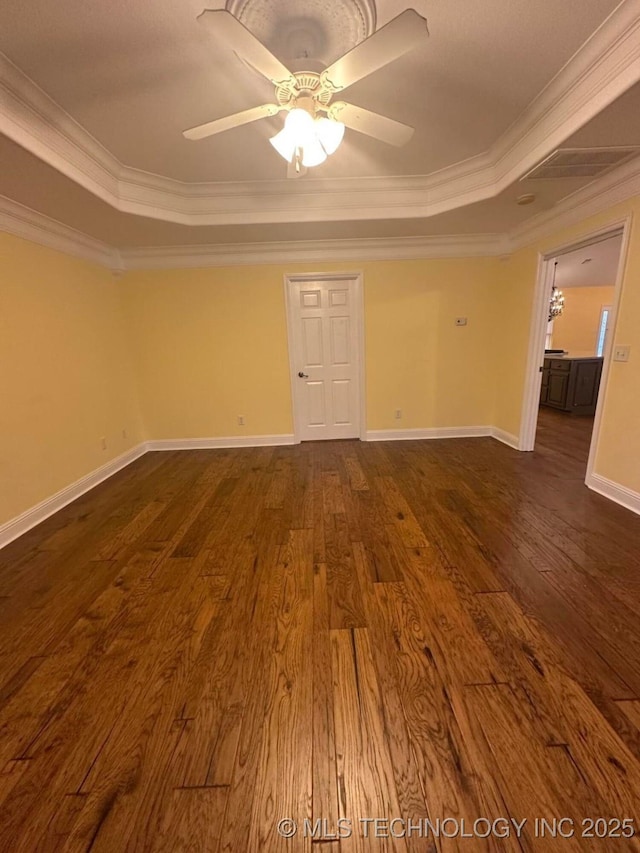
x,y
576,302
325,322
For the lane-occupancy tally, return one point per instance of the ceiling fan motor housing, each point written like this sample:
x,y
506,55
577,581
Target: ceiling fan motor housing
x,y
308,94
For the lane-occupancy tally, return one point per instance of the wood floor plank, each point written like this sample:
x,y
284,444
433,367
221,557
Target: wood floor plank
x,y
410,786
325,777
283,785
365,774
357,479
632,711
345,599
454,641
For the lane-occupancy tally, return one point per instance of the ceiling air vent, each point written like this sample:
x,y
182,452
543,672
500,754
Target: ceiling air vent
x,y
580,162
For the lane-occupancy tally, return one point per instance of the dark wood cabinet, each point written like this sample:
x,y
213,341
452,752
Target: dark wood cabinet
x,y
571,384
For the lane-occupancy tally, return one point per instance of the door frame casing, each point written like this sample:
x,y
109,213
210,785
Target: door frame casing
x,y
357,277
539,320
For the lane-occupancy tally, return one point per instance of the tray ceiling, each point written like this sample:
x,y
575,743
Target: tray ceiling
x,y
93,99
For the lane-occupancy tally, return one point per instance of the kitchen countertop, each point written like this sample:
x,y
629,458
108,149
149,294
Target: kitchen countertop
x,y
573,356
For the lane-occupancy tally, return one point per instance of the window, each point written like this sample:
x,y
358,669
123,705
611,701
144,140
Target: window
x,y
603,328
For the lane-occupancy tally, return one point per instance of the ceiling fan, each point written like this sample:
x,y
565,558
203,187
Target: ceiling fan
x,y
315,123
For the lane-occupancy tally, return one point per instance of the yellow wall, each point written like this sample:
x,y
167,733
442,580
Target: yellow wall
x,y
618,451
417,359
576,329
513,311
211,344
66,378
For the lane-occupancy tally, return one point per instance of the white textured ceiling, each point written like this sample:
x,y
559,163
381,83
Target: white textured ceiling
x,y
592,266
136,74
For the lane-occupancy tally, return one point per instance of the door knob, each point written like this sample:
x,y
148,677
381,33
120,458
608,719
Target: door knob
x,y
303,375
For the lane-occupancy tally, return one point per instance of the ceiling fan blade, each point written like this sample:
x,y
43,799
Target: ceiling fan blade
x,y
228,122
373,124
230,31
390,42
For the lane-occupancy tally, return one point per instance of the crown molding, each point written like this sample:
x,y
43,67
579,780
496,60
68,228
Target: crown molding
x,y
24,222
315,251
601,70
600,195
31,118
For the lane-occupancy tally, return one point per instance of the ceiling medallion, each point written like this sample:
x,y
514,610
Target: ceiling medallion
x,y
307,29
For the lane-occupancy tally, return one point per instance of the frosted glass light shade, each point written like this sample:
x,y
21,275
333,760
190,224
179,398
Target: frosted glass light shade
x,y
313,153
330,133
298,132
285,144
300,123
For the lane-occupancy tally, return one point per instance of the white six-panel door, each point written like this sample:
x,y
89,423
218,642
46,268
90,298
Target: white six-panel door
x,y
324,321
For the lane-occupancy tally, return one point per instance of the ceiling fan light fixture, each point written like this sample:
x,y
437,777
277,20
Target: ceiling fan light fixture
x,y
330,134
313,139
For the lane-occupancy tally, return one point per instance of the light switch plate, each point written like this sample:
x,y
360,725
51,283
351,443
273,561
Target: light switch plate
x,y
621,353
461,321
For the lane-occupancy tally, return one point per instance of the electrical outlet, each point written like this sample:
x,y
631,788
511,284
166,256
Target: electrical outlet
x,y
240,420
398,414
103,443
621,353
461,321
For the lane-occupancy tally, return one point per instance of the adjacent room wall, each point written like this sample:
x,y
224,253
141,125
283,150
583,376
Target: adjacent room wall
x,y
576,330
66,379
211,344
618,451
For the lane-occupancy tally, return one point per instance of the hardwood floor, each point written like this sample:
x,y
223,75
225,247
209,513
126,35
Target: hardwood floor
x,y
213,641
565,437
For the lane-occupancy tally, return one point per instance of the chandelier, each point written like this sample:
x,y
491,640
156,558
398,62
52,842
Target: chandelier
x,y
556,302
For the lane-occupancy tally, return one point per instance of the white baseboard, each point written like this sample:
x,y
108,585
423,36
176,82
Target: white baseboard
x,y
615,492
15,527
431,432
215,443
443,432
506,438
